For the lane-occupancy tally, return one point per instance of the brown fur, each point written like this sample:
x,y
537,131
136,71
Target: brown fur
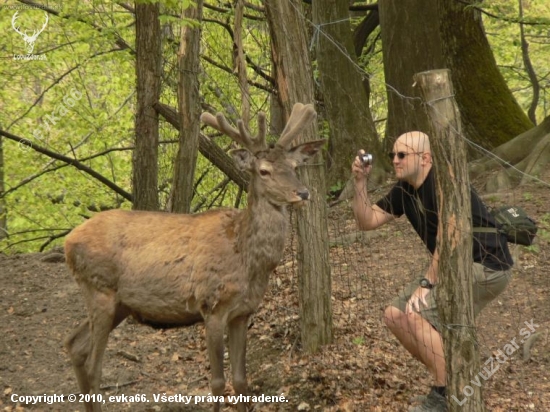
x,y
175,269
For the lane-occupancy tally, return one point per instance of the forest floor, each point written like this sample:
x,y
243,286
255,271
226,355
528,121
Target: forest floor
x,y
364,369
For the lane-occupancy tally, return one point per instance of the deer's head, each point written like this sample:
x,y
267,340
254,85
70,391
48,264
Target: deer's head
x,y
272,167
29,39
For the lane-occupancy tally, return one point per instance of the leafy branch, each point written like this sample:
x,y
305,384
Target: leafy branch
x,y
69,161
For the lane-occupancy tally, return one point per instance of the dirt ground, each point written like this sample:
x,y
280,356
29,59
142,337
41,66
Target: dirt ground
x,y
364,369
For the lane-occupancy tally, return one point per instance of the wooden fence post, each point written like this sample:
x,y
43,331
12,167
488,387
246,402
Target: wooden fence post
x,y
454,242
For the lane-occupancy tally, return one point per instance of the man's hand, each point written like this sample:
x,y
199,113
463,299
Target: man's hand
x,y
417,298
358,170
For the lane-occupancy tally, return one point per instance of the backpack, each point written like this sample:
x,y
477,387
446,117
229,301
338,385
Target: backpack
x,y
514,223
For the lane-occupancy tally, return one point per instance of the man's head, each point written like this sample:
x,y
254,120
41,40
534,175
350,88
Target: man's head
x,y
412,159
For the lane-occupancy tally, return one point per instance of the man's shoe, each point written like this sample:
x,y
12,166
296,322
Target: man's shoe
x,y
434,402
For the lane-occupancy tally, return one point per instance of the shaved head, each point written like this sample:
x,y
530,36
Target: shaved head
x,y
414,141
412,157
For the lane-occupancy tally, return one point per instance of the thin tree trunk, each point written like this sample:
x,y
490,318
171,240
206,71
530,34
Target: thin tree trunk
x,y
240,62
3,210
295,84
208,149
532,112
189,110
148,70
454,242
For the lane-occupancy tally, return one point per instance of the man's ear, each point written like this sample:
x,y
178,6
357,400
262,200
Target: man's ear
x,y
303,152
243,158
427,158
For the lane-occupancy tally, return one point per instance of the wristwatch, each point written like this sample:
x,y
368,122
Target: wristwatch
x,y
426,284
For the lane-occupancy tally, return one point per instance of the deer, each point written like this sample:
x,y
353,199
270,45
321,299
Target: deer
x,y
175,270
29,40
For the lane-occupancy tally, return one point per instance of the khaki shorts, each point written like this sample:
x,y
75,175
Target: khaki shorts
x,y
488,284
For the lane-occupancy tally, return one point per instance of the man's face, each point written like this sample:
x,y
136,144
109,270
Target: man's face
x,y
406,161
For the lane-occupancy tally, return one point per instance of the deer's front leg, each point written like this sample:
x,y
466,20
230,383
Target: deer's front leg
x,y
214,344
237,356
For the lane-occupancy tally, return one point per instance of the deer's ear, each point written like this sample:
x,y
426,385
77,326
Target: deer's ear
x,y
243,158
305,151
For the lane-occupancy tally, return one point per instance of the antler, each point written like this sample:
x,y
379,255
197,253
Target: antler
x,y
45,24
13,23
241,136
301,116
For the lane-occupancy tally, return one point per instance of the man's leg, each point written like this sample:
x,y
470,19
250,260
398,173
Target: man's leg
x,y
420,339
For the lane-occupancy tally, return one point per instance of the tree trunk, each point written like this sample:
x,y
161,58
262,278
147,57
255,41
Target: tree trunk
x,y
491,115
239,62
410,45
532,112
344,97
454,241
276,116
3,210
208,149
528,153
148,71
189,110
295,84
421,35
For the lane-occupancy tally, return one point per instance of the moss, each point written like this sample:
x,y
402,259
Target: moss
x,y
490,114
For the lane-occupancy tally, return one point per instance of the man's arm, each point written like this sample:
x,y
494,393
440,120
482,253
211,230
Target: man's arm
x,y
368,217
419,295
432,274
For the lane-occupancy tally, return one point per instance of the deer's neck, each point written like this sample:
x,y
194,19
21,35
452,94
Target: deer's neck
x,y
262,238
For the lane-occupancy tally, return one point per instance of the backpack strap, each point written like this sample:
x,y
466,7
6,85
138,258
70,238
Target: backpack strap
x,y
485,230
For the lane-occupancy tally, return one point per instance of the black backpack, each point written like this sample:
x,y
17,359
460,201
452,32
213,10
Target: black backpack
x,y
514,222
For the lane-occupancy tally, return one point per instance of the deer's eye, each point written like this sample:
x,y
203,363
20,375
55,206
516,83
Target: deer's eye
x,y
264,172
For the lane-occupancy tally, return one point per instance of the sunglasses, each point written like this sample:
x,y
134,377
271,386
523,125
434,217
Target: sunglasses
x,y
401,155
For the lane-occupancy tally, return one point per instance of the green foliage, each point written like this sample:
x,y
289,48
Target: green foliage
x,y
503,32
80,100
358,341
89,52
69,103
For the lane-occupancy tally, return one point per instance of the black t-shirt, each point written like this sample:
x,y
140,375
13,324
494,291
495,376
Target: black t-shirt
x,y
420,207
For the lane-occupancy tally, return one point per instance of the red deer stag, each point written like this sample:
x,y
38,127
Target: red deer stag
x,y
177,269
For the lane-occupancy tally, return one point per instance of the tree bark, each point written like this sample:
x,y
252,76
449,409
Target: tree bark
x,y
189,110
240,62
410,45
3,210
454,241
528,153
208,149
532,112
148,70
295,84
421,35
345,100
491,115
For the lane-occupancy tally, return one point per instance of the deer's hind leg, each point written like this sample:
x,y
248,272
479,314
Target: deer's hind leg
x,y
87,344
78,346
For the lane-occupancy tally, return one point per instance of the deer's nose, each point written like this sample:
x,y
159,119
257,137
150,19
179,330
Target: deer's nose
x,y
304,194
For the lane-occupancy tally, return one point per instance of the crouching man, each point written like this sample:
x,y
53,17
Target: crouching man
x,y
412,317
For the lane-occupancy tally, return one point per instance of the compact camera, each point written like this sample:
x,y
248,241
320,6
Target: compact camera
x,y
366,159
